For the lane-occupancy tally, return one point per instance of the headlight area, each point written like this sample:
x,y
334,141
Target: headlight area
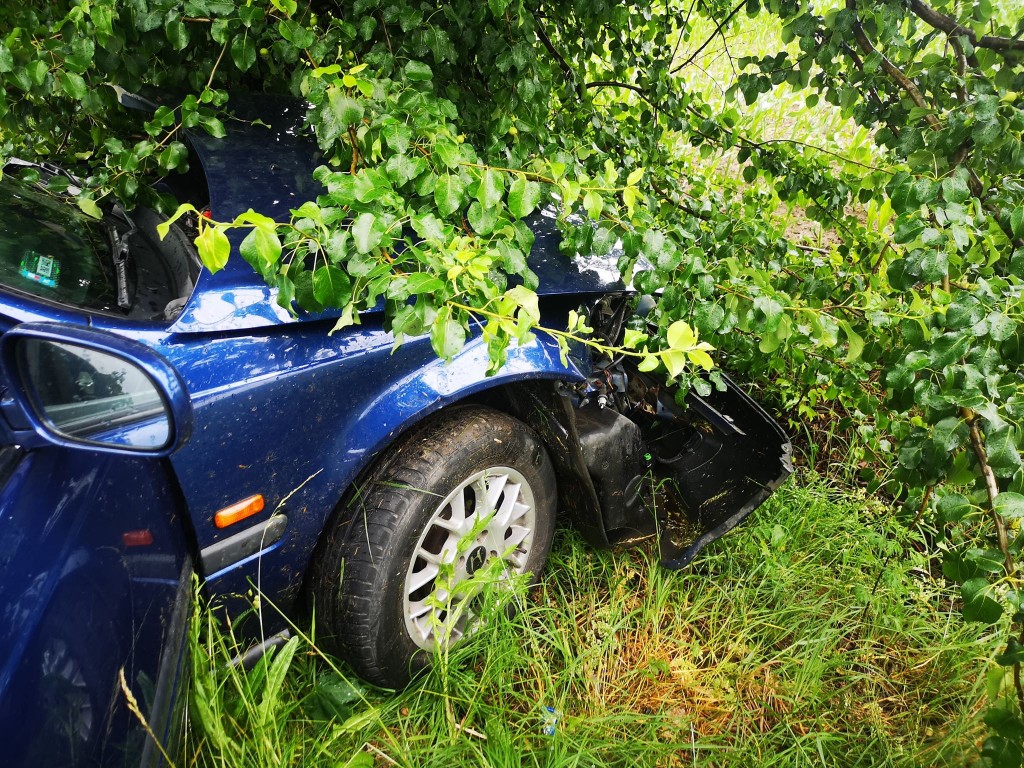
x,y
686,473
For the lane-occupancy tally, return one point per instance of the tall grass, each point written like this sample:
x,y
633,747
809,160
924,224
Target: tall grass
x,y
812,635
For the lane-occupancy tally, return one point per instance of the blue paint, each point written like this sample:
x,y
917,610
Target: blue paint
x,y
262,402
96,546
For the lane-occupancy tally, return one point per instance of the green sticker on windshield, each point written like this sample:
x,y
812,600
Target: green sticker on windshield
x,y
44,270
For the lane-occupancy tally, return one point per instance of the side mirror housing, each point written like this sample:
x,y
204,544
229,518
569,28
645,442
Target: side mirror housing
x,y
81,388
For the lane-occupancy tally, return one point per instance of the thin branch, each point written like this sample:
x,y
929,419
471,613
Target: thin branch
x,y
616,84
682,30
991,486
725,42
752,144
718,29
961,68
543,35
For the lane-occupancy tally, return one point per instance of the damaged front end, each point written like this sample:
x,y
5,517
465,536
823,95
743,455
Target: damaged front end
x,y
634,464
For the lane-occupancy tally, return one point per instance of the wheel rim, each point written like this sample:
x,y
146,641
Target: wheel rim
x,y
489,517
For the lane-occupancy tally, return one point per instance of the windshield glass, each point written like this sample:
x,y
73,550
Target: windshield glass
x,y
50,249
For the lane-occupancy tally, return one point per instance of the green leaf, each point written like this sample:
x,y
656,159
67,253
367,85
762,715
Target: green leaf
x,y
403,169
214,248
89,207
603,241
675,362
345,109
978,605
633,338
1002,752
423,282
417,71
449,194
304,292
1001,445
482,219
901,191
680,336
949,434
986,560
213,126
331,286
287,7
397,136
498,7
165,226
371,184
296,34
491,188
261,248
1017,222
854,340
523,197
1014,654
648,364
708,318
243,51
174,156
37,72
653,244
428,227
73,85
527,301
447,336
177,33
277,670
954,187
367,231
953,507
1010,505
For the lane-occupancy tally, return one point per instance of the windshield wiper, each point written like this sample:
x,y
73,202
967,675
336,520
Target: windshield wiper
x,y
120,250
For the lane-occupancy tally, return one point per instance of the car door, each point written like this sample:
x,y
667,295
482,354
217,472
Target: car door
x,y
95,574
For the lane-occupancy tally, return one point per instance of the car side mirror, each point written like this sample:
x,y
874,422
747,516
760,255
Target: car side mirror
x,y
78,387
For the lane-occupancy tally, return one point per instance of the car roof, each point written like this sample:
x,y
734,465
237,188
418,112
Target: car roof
x,y
266,163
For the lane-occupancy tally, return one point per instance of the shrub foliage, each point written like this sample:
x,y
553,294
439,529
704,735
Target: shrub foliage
x,y
443,125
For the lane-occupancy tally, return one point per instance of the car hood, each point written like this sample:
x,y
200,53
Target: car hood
x,y
266,163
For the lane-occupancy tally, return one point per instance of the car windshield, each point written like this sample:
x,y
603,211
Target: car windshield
x,y
49,249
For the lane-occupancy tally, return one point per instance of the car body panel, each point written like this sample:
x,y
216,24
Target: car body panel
x,y
266,163
91,563
316,420
282,408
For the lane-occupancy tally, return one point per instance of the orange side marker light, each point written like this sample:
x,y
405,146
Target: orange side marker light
x,y
239,511
140,538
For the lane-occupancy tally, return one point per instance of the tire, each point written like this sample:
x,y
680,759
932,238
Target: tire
x,y
401,552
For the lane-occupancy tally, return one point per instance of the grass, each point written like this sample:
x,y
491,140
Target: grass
x,y
812,635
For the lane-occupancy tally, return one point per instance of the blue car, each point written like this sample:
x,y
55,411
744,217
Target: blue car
x,y
160,423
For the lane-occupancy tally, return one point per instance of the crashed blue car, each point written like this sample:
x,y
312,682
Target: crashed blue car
x,y
162,426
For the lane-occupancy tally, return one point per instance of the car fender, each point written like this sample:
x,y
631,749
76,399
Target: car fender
x,y
306,472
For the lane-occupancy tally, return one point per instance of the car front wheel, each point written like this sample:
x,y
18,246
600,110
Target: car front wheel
x,y
462,503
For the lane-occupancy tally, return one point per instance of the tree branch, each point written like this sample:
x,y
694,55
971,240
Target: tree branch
x,y
952,27
543,35
718,29
991,486
891,69
616,84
